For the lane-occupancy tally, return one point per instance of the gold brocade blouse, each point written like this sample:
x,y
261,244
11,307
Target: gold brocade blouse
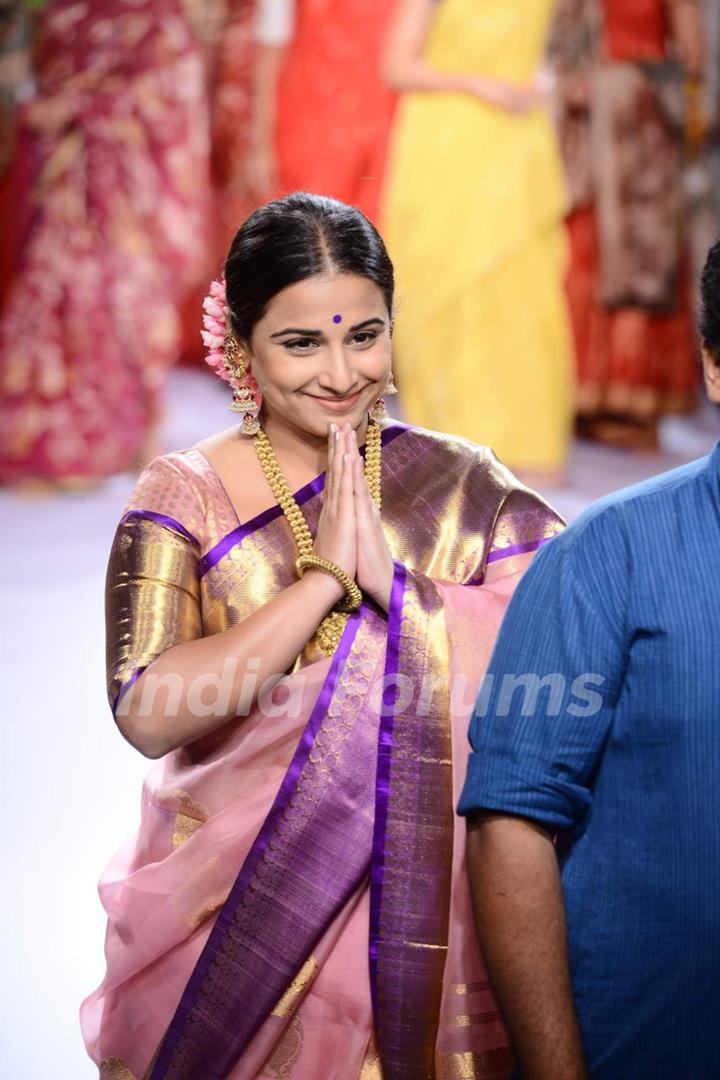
x,y
182,566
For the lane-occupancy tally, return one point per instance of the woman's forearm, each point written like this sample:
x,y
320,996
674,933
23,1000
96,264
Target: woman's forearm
x,y
268,62
687,31
197,687
403,65
413,74
519,912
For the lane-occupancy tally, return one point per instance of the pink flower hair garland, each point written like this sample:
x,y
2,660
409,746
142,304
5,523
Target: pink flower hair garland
x,y
216,320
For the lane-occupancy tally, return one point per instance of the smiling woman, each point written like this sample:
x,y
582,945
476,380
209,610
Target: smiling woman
x,y
299,612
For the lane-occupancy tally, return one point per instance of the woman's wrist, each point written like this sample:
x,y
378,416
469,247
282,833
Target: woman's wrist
x,y
261,141
382,592
324,588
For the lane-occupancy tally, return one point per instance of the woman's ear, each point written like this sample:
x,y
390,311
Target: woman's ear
x,y
711,370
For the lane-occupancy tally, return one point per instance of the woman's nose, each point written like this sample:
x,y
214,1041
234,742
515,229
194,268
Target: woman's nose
x,y
338,375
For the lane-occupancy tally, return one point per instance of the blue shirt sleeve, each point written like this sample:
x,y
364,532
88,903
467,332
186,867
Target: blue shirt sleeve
x,y
546,705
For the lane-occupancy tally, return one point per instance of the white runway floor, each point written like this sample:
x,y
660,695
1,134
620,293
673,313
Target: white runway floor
x,y
71,786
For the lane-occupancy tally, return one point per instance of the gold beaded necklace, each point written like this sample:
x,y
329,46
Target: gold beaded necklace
x,y
331,628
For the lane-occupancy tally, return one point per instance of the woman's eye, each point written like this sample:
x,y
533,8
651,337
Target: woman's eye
x,y
303,344
365,337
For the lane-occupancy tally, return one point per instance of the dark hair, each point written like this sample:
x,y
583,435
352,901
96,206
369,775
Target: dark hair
x,y
710,302
294,238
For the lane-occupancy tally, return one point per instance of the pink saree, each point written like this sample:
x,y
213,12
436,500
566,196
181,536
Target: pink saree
x,y
295,903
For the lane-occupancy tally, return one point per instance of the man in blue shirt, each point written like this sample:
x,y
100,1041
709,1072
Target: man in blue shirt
x,y
593,789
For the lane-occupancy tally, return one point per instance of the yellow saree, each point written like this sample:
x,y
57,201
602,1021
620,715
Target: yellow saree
x,y
473,213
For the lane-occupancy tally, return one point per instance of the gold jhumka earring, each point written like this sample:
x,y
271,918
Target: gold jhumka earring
x,y
246,398
379,410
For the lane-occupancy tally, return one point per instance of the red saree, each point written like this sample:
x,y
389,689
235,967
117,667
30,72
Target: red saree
x,y
113,160
334,111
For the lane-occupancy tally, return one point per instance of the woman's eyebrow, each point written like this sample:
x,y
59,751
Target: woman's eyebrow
x,y
368,322
304,332
297,330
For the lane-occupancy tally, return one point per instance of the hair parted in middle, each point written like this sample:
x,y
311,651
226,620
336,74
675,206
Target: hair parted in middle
x,y
294,238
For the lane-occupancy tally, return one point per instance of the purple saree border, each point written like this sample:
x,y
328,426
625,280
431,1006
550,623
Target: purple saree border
x,y
382,781
282,799
508,552
161,519
216,553
304,494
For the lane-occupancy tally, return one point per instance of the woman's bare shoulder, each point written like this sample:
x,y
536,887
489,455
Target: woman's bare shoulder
x,y
234,461
222,443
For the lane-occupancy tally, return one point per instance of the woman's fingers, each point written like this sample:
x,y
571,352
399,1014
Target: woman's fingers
x,y
337,468
361,489
346,488
339,494
327,490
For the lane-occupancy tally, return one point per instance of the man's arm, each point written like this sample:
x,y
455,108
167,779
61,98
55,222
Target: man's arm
x,y
520,918
537,740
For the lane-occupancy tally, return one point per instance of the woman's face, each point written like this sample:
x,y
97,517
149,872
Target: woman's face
x,y
321,353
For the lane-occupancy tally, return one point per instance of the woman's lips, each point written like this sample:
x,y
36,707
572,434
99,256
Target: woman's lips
x,y
337,404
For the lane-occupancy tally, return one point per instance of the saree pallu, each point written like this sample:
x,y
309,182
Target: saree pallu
x,y
295,903
113,153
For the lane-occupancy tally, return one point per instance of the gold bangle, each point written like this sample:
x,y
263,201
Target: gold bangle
x,y
353,595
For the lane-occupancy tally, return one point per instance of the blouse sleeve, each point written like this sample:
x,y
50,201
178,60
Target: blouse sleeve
x,y
525,522
539,728
274,22
152,595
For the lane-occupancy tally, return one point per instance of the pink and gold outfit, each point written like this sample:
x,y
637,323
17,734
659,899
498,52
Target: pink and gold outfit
x,y
295,901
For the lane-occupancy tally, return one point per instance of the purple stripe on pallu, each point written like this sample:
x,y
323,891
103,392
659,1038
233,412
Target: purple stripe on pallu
x,y
508,552
314,487
161,519
382,782
227,913
126,686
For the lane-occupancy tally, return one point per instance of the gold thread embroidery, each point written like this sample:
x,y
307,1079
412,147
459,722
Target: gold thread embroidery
x,y
297,988
152,597
371,1066
469,988
490,1065
113,1069
183,828
189,814
284,1056
467,1019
